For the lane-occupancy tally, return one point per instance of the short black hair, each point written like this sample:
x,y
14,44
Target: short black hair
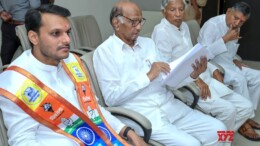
x,y
33,16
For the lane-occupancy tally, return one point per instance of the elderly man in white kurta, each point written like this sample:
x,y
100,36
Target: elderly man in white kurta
x,y
130,76
172,39
220,35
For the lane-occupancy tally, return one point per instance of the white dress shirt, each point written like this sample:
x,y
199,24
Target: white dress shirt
x,y
24,130
122,75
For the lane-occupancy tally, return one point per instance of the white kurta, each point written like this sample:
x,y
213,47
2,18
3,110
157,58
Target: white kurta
x,y
246,81
172,43
122,75
22,129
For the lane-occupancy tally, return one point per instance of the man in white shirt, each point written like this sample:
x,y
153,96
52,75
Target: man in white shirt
x,y
220,35
42,74
172,38
130,75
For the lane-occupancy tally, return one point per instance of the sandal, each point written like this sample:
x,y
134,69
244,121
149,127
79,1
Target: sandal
x,y
253,124
248,132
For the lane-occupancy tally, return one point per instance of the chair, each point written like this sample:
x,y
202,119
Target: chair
x,y
194,28
117,111
3,132
85,33
2,67
21,33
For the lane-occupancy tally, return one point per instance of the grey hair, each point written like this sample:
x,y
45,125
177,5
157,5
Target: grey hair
x,y
165,3
242,7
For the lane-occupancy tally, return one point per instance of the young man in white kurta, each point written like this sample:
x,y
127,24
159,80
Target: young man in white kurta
x,y
122,68
224,104
24,130
245,81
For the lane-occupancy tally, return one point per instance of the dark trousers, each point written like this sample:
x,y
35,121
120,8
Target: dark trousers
x,y
10,42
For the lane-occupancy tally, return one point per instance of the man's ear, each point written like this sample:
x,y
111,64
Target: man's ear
x,y
115,23
33,37
163,13
229,10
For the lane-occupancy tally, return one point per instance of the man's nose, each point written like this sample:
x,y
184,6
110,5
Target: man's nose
x,y
178,13
66,38
138,26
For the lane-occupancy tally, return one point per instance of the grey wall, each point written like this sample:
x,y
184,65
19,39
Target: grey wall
x,y
149,5
101,9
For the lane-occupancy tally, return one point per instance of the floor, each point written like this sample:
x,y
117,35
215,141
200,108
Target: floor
x,y
238,139
241,141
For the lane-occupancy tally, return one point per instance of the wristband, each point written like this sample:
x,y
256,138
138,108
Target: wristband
x,y
126,131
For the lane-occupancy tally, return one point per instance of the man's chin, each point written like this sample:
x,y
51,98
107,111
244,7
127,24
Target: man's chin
x,y
64,55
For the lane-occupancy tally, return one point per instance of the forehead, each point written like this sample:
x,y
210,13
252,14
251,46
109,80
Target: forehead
x,y
133,10
176,3
238,15
53,21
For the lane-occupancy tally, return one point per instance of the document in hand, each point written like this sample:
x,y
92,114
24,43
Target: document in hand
x,y
182,67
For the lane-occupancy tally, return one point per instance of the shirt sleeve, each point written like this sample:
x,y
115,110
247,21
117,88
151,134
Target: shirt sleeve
x,y
21,127
209,37
116,92
211,68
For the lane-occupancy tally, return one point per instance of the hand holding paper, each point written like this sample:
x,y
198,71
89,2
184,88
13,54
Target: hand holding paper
x,y
157,68
186,66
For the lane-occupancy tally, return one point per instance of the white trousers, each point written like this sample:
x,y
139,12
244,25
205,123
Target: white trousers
x,y
233,110
245,82
194,129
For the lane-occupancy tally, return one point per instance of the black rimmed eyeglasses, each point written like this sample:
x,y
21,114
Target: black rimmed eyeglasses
x,y
135,22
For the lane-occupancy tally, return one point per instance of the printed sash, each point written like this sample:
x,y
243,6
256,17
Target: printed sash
x,y
76,71
50,109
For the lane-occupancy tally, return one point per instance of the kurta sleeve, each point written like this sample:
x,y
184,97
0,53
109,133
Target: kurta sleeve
x,y
211,68
210,37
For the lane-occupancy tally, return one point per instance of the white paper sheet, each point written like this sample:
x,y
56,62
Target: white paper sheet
x,y
182,67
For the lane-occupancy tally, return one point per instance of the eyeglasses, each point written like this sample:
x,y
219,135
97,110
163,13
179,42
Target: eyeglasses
x,y
134,23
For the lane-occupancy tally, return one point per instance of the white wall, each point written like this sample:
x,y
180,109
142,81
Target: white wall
x,y
101,10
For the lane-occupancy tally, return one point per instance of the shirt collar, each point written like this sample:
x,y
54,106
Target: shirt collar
x,y
122,44
41,65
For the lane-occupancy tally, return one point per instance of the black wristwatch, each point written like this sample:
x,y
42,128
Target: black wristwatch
x,y
126,131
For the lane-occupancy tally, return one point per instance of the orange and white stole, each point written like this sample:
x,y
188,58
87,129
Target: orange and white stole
x,y
50,109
